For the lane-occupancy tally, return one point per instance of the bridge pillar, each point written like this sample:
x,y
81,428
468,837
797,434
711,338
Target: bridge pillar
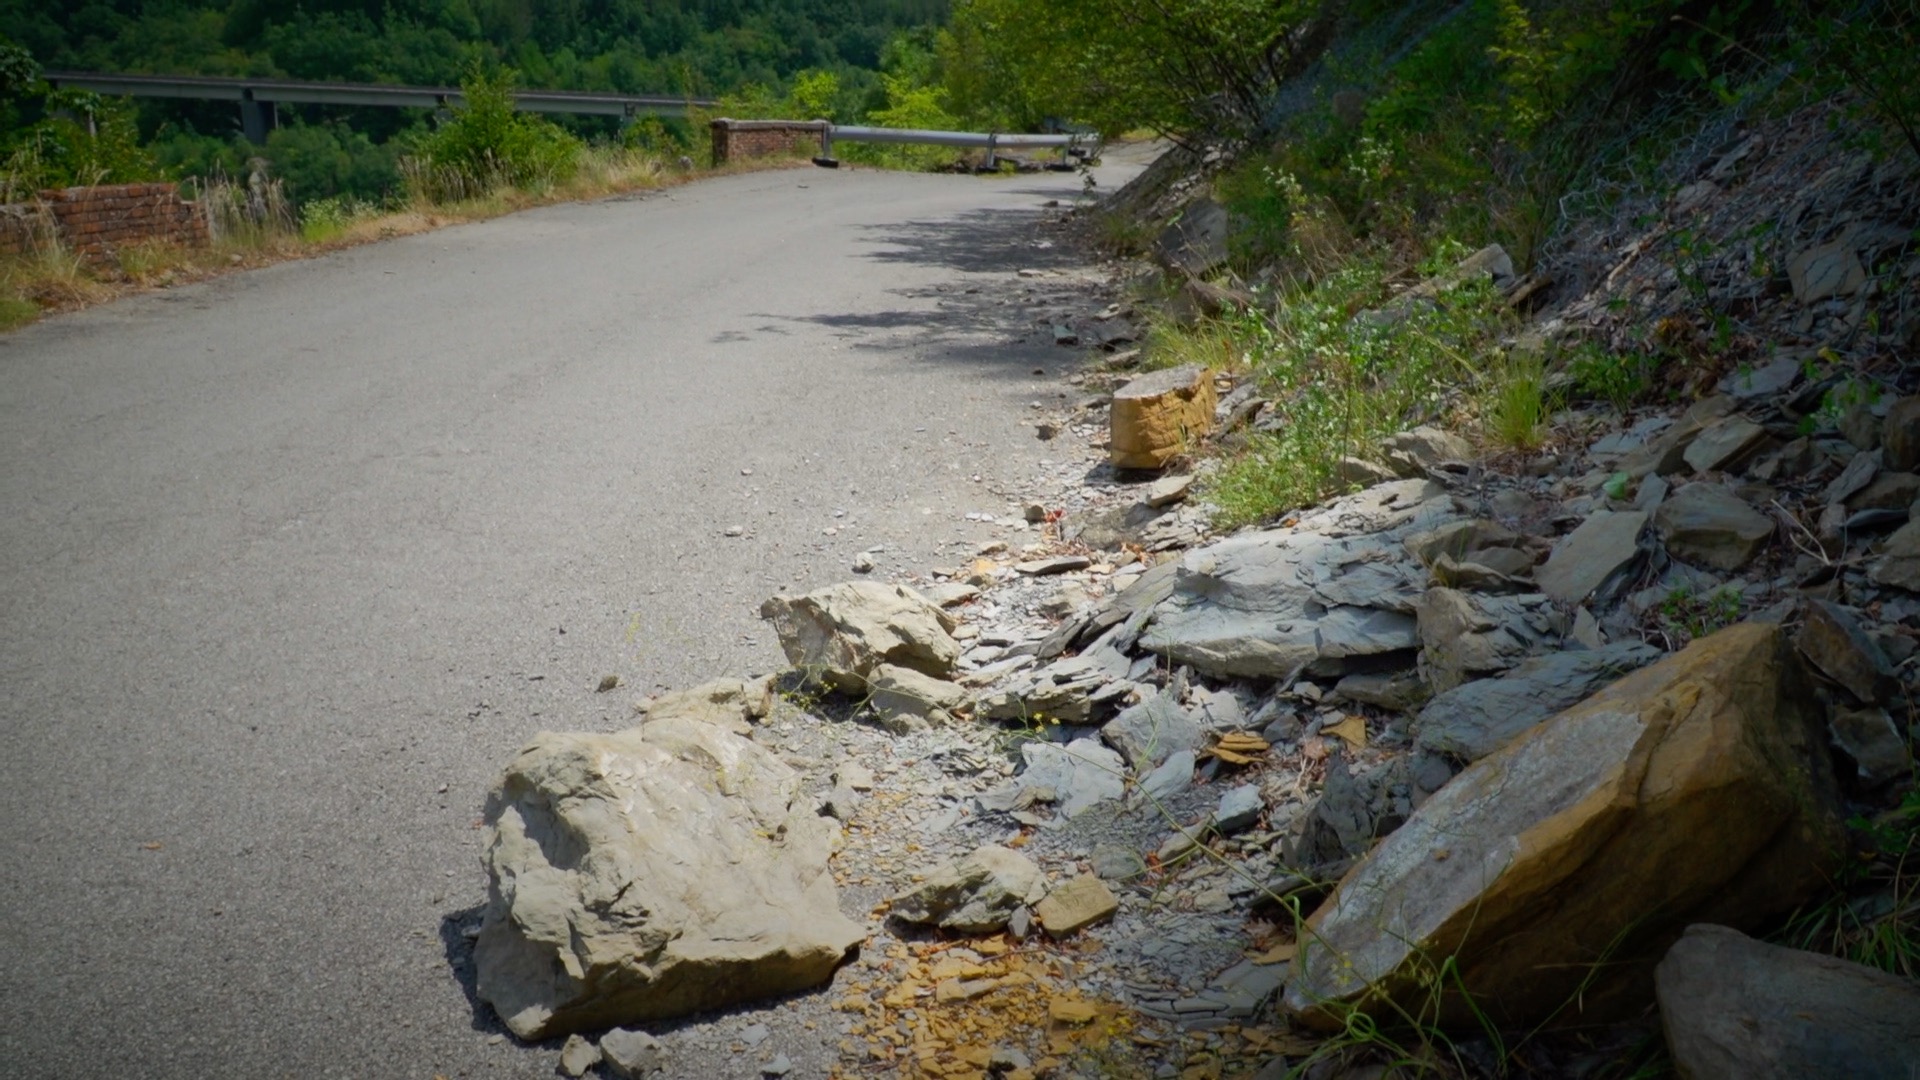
x,y
257,118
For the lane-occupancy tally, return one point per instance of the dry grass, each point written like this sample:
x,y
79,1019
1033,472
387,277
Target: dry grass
x,y
254,228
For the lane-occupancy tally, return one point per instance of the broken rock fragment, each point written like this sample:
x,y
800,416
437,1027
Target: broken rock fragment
x,y
1076,905
652,873
1158,416
1732,1006
975,894
1594,557
1556,871
839,634
1707,525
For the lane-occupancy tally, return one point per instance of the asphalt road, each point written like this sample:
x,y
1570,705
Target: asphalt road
x,y
297,558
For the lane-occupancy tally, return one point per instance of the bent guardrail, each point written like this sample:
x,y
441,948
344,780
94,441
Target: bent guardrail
x,y
756,138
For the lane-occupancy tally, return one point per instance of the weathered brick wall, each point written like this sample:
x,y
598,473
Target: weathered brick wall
x,y
738,140
94,222
23,227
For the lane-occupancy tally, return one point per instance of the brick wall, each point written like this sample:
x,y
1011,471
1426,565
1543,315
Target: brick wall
x,y
94,222
738,140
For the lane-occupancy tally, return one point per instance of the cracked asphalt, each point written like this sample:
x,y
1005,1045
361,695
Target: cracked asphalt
x,y
295,559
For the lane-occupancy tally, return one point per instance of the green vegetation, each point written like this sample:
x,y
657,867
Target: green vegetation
x,y
848,60
1343,383
1876,919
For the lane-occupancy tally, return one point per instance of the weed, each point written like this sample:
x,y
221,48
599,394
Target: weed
x,y
16,311
151,261
1873,918
1686,615
1619,379
1344,372
1515,402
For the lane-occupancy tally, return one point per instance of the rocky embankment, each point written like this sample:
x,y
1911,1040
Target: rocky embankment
x,y
1512,742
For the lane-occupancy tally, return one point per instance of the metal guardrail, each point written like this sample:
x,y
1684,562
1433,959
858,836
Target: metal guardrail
x,y
253,94
991,142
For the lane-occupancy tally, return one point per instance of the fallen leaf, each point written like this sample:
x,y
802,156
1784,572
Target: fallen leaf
x,y
153,845
1279,954
1070,1011
1353,730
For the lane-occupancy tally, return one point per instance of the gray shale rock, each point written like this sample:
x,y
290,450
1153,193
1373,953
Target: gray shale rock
x,y
1899,563
975,894
903,695
1869,738
839,634
1596,557
1471,721
652,873
1466,636
1833,641
1278,603
1149,733
1075,778
632,1054
1736,1007
1424,449
1707,525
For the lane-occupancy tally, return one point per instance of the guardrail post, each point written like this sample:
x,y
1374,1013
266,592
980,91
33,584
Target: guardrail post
x,y
993,161
257,118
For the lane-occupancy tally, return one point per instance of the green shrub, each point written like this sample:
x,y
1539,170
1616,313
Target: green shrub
x,y
1344,372
486,145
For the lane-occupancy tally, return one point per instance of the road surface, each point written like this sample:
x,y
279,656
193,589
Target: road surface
x,y
296,559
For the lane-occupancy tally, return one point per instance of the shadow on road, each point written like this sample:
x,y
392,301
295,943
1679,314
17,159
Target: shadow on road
x,y
992,319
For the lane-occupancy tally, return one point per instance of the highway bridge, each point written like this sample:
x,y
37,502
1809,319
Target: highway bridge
x,y
257,98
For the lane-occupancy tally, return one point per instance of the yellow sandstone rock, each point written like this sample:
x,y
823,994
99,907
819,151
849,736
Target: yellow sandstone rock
x,y
1160,415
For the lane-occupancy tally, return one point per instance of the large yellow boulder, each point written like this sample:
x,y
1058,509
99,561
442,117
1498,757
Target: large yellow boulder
x,y
1160,415
1555,872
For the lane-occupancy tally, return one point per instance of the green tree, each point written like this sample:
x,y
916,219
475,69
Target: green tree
x,y
1177,66
486,144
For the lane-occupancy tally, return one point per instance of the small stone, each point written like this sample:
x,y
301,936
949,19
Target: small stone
x,y
1240,808
1869,737
1858,473
1825,271
1059,564
607,682
779,1066
976,894
578,1055
736,530
1114,863
1020,923
1353,472
632,1054
863,563
1724,444
1157,416
1832,640
1078,904
1899,563
754,1034
1167,490
1034,513
1424,449
854,775
1888,491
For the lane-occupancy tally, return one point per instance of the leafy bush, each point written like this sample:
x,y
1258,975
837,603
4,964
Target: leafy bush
x,y
1344,373
62,138
487,145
